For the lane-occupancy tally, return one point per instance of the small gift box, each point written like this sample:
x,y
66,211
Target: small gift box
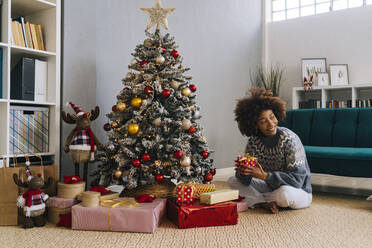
x,y
219,196
246,160
57,202
122,214
185,193
198,215
204,188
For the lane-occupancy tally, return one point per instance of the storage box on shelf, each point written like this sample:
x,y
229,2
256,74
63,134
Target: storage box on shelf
x,y
353,95
47,14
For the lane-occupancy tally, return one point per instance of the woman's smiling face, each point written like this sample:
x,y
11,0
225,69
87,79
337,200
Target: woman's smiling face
x,y
267,123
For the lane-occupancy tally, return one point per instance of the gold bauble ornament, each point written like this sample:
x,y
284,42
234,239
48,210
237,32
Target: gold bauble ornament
x,y
186,124
186,91
148,43
160,60
118,173
136,102
157,162
157,122
121,106
133,128
175,84
114,124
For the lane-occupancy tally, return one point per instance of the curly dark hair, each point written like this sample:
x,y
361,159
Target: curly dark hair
x,y
249,108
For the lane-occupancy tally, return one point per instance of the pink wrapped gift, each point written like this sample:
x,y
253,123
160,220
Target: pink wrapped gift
x,y
57,202
242,206
145,217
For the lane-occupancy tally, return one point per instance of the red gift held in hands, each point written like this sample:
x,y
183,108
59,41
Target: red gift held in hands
x,y
246,161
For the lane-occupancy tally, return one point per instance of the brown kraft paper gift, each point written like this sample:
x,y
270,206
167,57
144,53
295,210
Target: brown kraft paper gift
x,y
8,196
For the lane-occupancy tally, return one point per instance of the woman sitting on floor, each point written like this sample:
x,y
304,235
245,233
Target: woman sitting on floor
x,y
282,176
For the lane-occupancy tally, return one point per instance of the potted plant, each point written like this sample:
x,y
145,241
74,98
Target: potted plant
x,y
270,77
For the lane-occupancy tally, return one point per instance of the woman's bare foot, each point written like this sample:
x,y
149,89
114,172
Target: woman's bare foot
x,y
271,206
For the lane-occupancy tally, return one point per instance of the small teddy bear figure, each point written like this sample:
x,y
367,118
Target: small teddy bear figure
x,y
33,201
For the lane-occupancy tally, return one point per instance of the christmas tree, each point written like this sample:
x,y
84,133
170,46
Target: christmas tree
x,y
153,131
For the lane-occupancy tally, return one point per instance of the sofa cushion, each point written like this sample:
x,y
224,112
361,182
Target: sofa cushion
x,y
321,129
349,153
301,124
344,129
364,129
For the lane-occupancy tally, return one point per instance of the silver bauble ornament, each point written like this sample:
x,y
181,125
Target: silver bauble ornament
x,y
133,62
157,122
175,84
160,60
198,170
196,114
185,161
186,124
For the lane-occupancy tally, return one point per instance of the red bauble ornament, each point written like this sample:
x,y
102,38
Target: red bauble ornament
x,y
191,130
107,127
146,157
213,171
178,154
205,154
126,88
114,108
148,90
192,88
162,49
136,163
159,177
208,177
165,93
175,54
143,62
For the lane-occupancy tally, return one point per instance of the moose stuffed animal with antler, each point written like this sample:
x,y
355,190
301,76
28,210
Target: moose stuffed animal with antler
x,y
33,201
81,143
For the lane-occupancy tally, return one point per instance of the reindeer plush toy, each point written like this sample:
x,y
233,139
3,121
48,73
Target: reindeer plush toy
x,y
33,201
81,143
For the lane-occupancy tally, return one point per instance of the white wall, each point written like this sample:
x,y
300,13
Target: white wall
x,y
218,39
343,37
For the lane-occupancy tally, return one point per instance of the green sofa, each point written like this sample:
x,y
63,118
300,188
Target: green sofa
x,y
336,141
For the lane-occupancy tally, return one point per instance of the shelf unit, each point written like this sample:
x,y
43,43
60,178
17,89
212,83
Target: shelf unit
x,y
351,92
47,13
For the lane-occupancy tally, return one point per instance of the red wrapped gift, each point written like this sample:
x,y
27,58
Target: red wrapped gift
x,y
246,160
202,215
186,193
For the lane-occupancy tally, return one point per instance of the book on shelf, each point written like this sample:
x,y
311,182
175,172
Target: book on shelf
x,y
311,103
29,80
339,104
363,103
26,34
41,86
23,80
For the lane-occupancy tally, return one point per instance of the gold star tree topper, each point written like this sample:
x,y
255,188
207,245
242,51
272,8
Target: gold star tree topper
x,y
158,15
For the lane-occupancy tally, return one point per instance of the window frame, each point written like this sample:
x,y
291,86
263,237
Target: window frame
x,y
307,5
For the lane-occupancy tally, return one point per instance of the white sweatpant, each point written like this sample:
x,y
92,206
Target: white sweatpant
x,y
258,192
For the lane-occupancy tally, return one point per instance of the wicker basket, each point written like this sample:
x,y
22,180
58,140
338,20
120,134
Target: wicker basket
x,y
53,213
161,190
65,190
90,199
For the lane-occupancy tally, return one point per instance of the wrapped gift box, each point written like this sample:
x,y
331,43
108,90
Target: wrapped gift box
x,y
185,193
57,202
145,217
204,188
202,215
219,196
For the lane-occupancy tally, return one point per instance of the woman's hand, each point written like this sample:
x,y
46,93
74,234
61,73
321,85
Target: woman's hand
x,y
256,172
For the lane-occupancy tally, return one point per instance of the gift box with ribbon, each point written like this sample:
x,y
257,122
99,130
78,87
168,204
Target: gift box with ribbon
x,y
185,193
198,215
204,188
246,160
122,214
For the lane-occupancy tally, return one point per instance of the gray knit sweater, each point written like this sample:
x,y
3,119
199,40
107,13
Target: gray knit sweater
x,y
283,157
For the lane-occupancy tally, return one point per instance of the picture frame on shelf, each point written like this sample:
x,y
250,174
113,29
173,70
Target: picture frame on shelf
x,y
311,67
339,74
323,79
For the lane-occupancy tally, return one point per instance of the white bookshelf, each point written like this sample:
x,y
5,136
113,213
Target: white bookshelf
x,y
351,92
47,13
